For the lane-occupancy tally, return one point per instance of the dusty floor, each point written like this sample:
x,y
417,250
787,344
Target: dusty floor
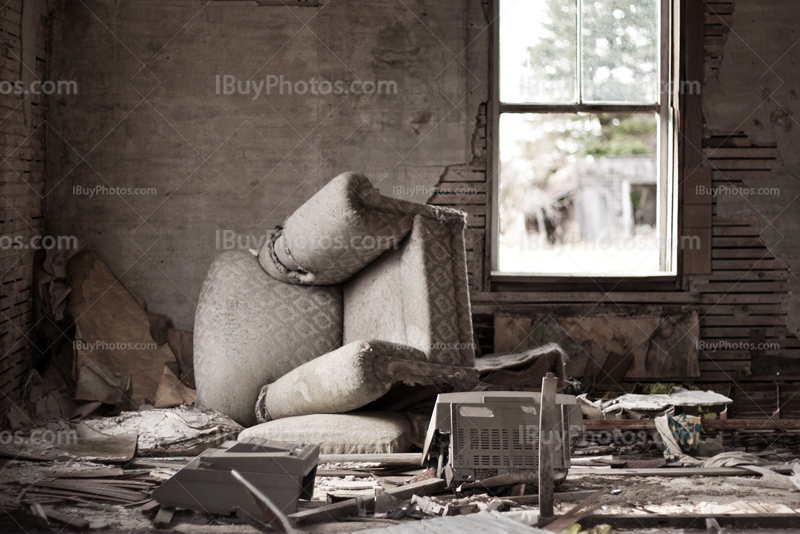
x,y
685,495
640,495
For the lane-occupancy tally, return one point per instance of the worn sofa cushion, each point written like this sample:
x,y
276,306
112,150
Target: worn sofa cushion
x,y
351,433
251,329
417,294
338,231
353,376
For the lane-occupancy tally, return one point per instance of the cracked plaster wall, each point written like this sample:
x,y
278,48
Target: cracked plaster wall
x,y
147,116
756,92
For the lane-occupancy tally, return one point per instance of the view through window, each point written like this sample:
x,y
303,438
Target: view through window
x,y
583,138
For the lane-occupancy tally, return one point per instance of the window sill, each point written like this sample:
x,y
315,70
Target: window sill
x,y
500,281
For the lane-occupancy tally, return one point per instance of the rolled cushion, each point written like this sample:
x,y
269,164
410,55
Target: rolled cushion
x,y
352,377
352,433
337,232
417,295
251,329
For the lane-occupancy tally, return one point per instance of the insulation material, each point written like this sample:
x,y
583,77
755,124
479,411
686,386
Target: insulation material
x,y
117,361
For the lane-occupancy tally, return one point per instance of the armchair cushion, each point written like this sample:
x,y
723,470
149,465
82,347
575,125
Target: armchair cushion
x,y
251,329
338,231
351,433
353,376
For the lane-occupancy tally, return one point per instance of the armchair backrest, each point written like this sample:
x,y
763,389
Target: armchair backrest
x,y
416,293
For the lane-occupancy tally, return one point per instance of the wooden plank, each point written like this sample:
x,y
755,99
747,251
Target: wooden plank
x,y
743,320
693,521
760,253
698,216
389,458
742,153
750,275
744,355
675,471
547,430
747,264
697,186
736,231
748,241
696,250
164,517
708,424
745,164
70,521
737,175
576,513
568,297
745,286
738,332
351,506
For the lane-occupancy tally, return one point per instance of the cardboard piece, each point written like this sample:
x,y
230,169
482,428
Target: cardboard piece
x,y
181,343
117,359
171,392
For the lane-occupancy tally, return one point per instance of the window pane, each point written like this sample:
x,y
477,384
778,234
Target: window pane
x,y
578,193
538,51
620,51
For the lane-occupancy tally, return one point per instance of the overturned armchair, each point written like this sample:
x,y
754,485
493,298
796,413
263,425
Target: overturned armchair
x,y
357,295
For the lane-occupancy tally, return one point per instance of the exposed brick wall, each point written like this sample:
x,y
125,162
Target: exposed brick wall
x,y
22,138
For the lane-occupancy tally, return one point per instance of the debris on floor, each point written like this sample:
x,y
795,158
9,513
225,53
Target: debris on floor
x,y
639,404
284,472
107,436
179,431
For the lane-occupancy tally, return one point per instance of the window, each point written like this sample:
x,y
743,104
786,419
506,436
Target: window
x,y
583,130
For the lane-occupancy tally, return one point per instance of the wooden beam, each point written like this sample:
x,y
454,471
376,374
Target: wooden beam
x,y
351,506
676,471
547,430
687,521
388,458
708,424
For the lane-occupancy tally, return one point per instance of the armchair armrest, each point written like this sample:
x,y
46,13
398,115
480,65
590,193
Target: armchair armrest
x,y
353,376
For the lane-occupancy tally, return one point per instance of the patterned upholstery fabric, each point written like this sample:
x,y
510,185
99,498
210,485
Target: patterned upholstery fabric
x,y
417,295
354,376
351,433
340,381
407,295
251,329
342,228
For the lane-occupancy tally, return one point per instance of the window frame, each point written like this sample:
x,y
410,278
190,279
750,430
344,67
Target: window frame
x,y
667,156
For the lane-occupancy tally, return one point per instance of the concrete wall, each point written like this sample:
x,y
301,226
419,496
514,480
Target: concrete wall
x,y
148,116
